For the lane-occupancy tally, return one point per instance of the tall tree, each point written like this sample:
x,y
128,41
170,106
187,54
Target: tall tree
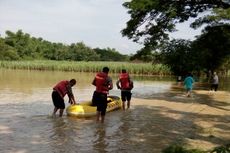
x,y
152,20
213,46
177,54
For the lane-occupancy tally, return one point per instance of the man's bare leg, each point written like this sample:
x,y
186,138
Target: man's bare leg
x,y
123,105
128,104
61,112
98,116
55,110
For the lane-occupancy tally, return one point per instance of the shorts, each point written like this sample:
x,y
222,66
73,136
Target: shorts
x,y
58,101
126,95
214,87
100,100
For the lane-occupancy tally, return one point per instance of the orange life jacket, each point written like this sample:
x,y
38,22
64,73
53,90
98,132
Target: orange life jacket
x,y
61,88
101,83
124,79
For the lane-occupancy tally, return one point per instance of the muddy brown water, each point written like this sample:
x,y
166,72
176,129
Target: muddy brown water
x,y
160,115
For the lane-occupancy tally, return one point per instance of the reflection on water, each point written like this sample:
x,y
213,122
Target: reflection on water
x,y
26,124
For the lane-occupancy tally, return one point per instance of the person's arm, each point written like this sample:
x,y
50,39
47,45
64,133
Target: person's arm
x,y
131,84
110,83
70,95
118,84
94,82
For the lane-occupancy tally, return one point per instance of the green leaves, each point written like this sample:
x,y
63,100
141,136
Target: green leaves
x,y
152,19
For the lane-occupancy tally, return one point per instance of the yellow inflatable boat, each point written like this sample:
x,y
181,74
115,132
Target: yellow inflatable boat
x,y
85,109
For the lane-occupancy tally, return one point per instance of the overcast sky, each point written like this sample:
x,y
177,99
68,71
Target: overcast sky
x,y
95,22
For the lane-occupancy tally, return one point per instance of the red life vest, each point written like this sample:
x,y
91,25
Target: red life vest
x,y
124,79
61,88
101,83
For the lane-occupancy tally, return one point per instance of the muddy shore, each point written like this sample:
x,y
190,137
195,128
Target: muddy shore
x,y
201,121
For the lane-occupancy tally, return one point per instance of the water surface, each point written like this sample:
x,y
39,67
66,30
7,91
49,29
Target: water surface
x,y
26,124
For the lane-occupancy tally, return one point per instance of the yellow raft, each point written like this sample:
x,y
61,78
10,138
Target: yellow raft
x,y
86,109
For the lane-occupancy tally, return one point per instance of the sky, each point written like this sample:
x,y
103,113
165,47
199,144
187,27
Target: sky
x,y
97,23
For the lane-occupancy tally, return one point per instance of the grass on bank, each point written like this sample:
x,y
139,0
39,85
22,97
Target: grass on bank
x,y
180,149
115,67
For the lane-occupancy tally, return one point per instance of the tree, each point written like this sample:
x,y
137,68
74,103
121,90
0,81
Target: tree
x,y
177,54
152,20
212,46
81,52
7,52
208,52
109,54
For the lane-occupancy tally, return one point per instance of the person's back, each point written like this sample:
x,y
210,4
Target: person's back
x,y
188,82
215,82
103,84
125,84
215,79
59,91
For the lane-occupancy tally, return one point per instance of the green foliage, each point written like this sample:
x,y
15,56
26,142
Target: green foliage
x,y
80,52
7,52
211,51
110,55
83,66
222,149
180,149
177,55
152,20
212,47
218,17
20,45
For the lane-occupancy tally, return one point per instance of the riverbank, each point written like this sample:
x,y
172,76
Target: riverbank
x,y
200,122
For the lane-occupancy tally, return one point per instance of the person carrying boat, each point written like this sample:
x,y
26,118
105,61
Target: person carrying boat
x,y
59,91
125,84
103,84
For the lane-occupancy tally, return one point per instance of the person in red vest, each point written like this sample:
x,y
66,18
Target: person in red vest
x,y
125,84
103,84
59,91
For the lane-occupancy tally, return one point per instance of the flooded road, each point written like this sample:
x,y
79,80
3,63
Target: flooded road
x,y
150,125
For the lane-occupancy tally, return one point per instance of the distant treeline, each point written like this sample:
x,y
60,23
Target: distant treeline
x,y
21,46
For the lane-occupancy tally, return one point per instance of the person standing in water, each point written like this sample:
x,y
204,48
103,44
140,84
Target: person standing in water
x,y
188,82
59,91
103,84
125,84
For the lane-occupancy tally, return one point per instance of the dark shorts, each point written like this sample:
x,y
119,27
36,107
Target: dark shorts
x,y
100,100
58,101
214,87
126,95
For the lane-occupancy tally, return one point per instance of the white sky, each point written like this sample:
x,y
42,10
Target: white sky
x,y
95,22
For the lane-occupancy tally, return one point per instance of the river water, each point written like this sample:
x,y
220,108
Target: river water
x,y
26,124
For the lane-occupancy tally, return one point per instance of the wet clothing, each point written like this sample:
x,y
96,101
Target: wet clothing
x,y
58,101
103,84
124,81
59,92
100,100
126,95
63,88
188,82
126,85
